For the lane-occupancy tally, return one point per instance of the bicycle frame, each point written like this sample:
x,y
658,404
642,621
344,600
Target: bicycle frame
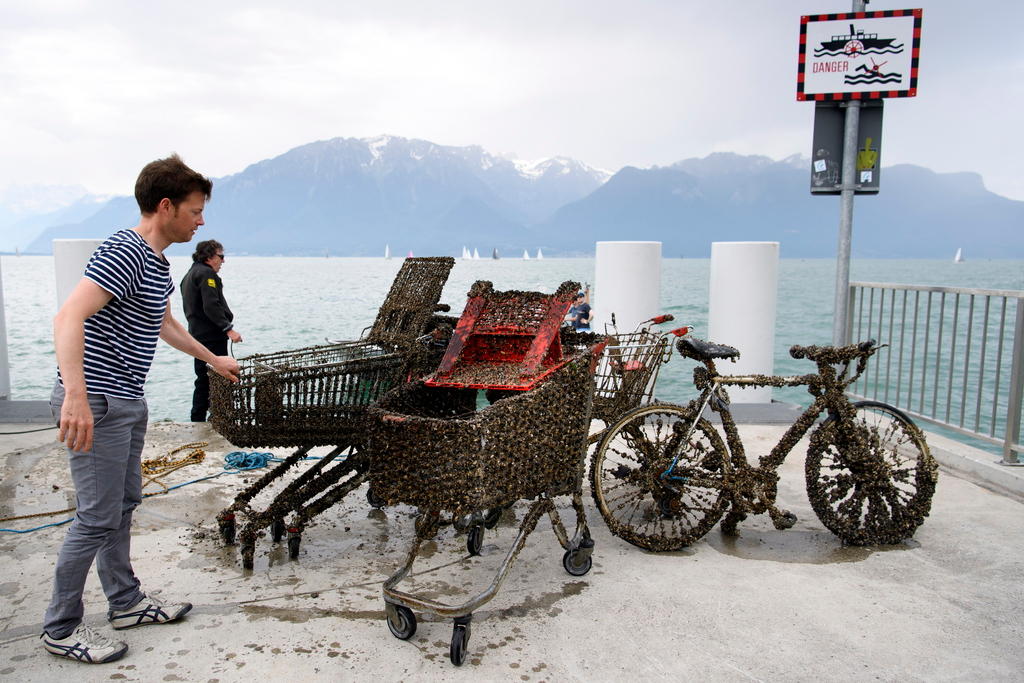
x,y
663,475
826,386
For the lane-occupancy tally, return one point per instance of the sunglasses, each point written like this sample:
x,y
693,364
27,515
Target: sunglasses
x,y
220,256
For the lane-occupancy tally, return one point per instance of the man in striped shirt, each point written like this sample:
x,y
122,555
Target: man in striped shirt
x,y
105,337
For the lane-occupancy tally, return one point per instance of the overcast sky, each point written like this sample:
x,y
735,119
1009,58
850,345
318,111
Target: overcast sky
x,y
92,90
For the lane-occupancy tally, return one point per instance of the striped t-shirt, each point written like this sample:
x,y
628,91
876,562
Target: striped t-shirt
x,y
120,338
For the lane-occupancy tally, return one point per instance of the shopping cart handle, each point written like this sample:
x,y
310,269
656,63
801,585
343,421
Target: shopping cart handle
x,y
666,318
681,331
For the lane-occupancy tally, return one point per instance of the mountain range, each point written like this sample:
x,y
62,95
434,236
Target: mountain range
x,y
351,197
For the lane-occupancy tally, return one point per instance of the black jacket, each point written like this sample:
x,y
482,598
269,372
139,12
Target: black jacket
x,y
206,309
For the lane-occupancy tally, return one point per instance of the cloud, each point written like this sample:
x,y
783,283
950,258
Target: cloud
x,y
91,91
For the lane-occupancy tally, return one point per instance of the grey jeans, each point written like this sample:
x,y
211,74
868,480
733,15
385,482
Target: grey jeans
x,y
108,486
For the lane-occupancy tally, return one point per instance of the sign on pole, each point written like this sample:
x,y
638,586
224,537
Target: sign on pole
x,y
827,150
859,55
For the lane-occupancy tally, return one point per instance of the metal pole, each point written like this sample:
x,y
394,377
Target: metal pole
x,y
1016,389
5,367
847,185
839,329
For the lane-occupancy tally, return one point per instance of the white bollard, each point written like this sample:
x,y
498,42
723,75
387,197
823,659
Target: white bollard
x,y
5,366
69,260
627,282
741,310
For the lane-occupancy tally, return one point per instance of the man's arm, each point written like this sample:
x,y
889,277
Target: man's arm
x,y
175,334
76,420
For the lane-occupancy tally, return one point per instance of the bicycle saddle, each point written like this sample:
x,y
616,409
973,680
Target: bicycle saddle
x,y
698,349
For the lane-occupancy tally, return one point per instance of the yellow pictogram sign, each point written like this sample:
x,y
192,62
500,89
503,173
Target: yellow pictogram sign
x,y
867,157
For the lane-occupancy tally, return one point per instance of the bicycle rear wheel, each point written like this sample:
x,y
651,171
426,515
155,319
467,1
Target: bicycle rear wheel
x,y
639,504
872,481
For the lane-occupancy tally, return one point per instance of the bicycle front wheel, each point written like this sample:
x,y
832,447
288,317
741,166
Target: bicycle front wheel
x,y
640,501
870,482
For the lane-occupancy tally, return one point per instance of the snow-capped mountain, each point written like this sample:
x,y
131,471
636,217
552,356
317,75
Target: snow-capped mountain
x,y
350,196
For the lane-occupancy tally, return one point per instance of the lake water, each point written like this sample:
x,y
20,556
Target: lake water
x,y
285,303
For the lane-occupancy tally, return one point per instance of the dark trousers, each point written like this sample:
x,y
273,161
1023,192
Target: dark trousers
x,y
201,395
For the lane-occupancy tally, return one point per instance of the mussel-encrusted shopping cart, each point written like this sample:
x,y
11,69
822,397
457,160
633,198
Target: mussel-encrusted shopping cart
x,y
435,450
318,396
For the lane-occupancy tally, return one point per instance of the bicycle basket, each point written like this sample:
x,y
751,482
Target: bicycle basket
x,y
628,371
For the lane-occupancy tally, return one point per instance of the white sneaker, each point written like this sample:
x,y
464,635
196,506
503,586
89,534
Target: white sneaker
x,y
152,609
85,645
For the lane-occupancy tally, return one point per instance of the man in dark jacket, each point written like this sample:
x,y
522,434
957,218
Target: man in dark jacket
x,y
208,315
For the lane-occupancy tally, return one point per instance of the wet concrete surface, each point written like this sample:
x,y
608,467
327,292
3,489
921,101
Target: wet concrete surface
x,y
766,605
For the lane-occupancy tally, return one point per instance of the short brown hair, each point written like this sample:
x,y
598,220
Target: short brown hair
x,y
206,250
169,178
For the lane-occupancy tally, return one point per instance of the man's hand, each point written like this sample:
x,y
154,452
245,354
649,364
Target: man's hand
x,y
234,336
76,423
226,366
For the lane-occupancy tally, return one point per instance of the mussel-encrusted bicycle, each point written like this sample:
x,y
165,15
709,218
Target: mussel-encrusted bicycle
x,y
662,476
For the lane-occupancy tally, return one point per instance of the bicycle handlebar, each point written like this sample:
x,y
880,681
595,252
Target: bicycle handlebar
x,y
833,354
656,320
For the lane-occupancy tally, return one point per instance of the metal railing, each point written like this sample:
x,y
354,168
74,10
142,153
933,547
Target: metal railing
x,y
955,356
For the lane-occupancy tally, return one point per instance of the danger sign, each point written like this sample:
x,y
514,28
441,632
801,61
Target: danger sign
x,y
859,55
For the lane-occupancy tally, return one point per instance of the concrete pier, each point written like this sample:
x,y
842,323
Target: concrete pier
x,y
767,605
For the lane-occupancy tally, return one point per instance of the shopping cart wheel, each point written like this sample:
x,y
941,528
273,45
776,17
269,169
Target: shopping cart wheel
x,y
475,539
277,530
401,621
293,546
247,551
577,563
460,639
373,499
226,525
492,517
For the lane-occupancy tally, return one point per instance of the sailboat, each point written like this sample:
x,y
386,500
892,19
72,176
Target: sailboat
x,y
494,254
959,258
465,253
410,254
540,254
476,254
526,255
387,251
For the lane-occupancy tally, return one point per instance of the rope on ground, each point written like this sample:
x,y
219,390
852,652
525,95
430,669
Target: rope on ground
x,y
154,470
236,462
242,461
